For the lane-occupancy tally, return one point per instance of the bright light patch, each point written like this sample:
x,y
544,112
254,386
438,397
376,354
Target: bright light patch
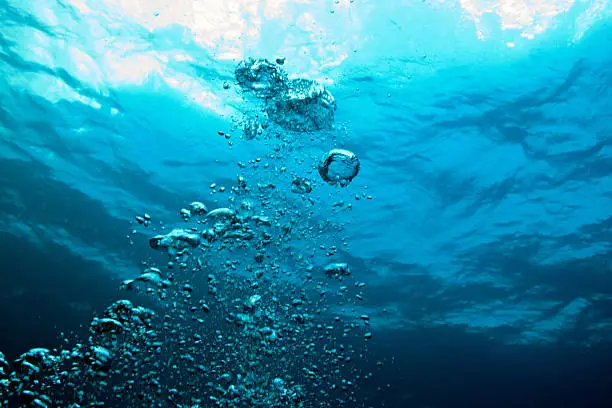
x,y
275,8
306,22
133,69
531,17
80,6
183,57
197,93
87,69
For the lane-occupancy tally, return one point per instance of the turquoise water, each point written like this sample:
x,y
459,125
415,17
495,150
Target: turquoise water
x,y
479,220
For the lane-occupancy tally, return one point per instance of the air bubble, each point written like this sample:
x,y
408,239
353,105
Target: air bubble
x,y
339,167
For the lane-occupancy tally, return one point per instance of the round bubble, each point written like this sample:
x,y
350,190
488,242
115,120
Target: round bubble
x,y
339,166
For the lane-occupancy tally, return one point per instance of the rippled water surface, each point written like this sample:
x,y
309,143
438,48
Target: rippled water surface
x,y
475,229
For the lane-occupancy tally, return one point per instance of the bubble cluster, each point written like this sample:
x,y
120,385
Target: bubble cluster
x,y
241,314
300,105
305,106
260,76
119,347
301,185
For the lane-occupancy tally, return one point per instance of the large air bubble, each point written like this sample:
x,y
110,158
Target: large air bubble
x,y
305,106
339,167
260,76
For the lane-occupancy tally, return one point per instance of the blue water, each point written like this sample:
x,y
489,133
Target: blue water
x,y
480,218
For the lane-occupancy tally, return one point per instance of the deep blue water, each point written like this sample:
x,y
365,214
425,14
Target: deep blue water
x,y
480,218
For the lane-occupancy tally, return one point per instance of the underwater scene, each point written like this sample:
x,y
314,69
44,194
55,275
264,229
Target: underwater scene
x,y
306,203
